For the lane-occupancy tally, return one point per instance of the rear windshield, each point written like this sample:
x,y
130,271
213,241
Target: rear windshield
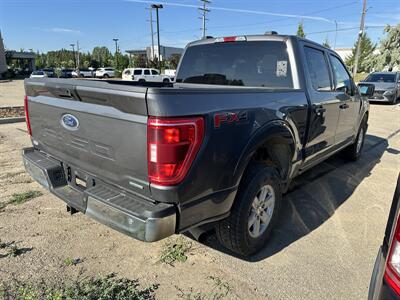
x,y
255,64
381,78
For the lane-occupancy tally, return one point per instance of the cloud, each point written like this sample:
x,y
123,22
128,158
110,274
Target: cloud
x,y
257,12
64,30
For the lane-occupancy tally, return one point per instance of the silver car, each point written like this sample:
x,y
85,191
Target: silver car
x,y
387,86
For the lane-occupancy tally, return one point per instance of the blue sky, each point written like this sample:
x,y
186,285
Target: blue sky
x,y
54,24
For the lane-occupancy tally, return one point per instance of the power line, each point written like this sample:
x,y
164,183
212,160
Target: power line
x,y
204,10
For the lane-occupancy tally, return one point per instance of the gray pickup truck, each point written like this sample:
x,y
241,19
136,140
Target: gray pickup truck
x,y
217,148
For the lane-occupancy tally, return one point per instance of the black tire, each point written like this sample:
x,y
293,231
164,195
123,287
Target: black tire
x,y
82,76
353,152
234,232
106,76
166,80
141,80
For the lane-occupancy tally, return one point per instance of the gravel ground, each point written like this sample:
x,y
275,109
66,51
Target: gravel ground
x,y
323,248
12,93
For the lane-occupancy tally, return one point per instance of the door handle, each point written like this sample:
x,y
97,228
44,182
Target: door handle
x,y
343,106
319,110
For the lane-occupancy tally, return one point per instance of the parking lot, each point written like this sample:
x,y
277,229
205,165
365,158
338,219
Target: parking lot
x,y
324,247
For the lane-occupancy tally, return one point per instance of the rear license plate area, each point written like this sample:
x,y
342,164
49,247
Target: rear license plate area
x,y
79,179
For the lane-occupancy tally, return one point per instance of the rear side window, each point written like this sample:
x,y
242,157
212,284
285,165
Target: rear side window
x,y
255,64
154,72
318,69
127,72
343,81
137,72
146,72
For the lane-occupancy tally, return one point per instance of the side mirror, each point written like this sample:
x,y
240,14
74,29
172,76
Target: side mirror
x,y
366,89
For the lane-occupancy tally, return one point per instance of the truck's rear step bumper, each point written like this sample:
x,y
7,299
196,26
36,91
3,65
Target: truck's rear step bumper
x,y
138,218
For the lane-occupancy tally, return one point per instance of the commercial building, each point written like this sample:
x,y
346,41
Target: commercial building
x,y
165,52
3,64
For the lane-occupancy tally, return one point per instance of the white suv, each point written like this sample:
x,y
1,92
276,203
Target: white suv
x,y
144,74
104,73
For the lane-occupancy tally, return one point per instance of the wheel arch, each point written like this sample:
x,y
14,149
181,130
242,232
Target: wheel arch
x,y
274,144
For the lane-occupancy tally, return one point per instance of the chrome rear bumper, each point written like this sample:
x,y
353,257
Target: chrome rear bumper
x,y
127,213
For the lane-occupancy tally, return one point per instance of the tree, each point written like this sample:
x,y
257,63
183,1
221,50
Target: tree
x,y
389,49
300,30
102,55
138,61
174,60
326,43
366,55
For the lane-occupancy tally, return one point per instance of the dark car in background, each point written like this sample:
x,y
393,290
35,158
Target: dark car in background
x,y
66,73
387,86
49,72
385,281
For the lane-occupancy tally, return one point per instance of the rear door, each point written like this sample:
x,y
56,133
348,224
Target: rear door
x,y
350,102
325,105
147,75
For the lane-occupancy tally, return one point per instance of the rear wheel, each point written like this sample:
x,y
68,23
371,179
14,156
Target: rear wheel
x,y
166,80
141,80
106,76
81,76
254,212
353,152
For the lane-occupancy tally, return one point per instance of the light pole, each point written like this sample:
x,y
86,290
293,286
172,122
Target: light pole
x,y
73,51
158,6
116,53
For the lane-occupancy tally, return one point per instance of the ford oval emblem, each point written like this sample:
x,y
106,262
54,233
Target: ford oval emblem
x,y
69,122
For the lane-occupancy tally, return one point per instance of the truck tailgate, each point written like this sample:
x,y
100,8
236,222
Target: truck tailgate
x,y
93,126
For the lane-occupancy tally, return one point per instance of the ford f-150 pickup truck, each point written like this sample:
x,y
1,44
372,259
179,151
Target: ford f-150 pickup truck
x,y
219,146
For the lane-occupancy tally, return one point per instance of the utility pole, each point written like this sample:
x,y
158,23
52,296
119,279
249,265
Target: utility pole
x,y
151,32
77,54
360,36
334,44
73,52
157,7
116,53
204,10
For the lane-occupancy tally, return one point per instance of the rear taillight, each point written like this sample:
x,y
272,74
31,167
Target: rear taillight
x,y
172,145
28,122
392,270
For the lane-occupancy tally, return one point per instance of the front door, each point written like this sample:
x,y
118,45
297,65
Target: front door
x,y
350,102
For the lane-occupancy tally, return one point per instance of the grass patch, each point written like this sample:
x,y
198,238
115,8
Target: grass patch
x,y
107,287
175,251
23,197
72,261
219,289
10,249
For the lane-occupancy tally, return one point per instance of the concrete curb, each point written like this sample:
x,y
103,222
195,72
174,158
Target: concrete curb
x,y
12,120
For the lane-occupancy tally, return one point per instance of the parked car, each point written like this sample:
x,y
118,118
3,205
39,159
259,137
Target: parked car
x,y
385,280
387,86
82,73
38,74
218,147
104,73
170,73
144,74
49,71
66,73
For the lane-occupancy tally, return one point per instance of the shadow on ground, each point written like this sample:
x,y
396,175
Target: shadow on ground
x,y
314,198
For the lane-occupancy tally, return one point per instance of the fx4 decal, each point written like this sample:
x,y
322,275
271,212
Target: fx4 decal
x,y
229,118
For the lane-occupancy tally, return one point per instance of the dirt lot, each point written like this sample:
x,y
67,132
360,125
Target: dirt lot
x,y
12,93
324,246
